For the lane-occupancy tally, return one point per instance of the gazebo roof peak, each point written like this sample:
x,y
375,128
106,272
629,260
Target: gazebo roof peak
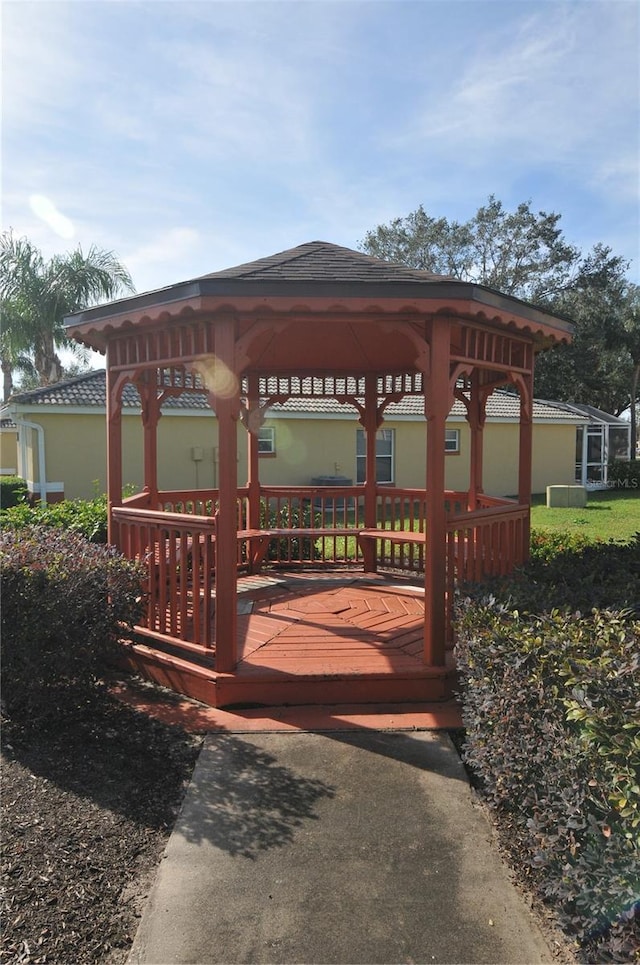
x,y
317,261
316,276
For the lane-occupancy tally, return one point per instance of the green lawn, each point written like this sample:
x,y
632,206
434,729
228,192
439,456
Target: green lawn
x,y
610,514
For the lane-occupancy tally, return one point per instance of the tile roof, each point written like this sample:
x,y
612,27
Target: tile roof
x,y
89,390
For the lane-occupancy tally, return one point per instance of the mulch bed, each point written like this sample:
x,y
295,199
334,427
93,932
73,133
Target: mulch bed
x,y
89,798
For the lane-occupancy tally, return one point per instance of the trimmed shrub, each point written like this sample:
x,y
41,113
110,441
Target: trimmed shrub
x,y
546,544
624,475
573,573
551,707
85,516
13,490
65,603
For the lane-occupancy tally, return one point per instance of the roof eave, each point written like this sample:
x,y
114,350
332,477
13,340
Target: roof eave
x,y
193,296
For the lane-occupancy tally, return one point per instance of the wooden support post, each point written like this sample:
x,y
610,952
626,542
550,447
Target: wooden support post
x,y
254,421
525,456
476,419
370,424
437,397
114,451
150,417
226,402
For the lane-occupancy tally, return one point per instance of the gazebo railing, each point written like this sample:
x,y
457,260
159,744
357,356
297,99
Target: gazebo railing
x,y
327,520
179,550
306,525
488,542
336,514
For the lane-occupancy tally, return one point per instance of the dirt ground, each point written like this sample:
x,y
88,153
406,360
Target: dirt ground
x,y
88,802
89,799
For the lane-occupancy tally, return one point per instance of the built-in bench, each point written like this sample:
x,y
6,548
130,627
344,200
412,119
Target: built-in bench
x,y
368,539
259,539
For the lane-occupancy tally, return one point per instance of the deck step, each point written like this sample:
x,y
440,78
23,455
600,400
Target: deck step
x,y
274,690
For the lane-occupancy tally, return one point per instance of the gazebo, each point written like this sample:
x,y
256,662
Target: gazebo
x,y
295,594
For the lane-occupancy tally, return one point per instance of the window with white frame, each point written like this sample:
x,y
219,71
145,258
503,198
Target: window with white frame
x,y
385,455
452,440
266,441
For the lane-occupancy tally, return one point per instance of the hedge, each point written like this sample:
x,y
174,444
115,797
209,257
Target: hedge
x,y
624,475
65,602
568,570
551,708
13,490
85,516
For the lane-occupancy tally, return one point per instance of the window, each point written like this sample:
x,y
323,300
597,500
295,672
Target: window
x,y
385,453
267,441
452,440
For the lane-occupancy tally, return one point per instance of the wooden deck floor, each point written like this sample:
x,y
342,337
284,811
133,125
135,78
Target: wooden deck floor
x,y
316,638
331,626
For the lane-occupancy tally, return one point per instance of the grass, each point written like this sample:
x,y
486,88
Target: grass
x,y
609,514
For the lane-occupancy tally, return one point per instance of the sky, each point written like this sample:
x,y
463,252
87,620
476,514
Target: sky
x,y
189,137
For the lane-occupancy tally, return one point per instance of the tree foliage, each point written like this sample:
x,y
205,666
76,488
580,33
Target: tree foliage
x,y
35,296
524,253
519,253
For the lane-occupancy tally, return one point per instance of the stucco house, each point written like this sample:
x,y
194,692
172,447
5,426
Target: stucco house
x,y
602,440
61,448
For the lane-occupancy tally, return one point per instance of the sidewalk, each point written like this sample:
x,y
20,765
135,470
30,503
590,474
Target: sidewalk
x,y
355,846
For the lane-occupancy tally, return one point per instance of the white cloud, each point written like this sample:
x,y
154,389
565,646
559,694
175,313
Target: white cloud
x,y
154,263
551,91
42,67
45,209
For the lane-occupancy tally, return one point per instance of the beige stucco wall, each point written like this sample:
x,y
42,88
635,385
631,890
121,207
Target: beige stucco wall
x,y
8,451
308,448
554,456
76,451
305,448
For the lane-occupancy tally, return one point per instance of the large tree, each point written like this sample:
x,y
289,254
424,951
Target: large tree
x,y
13,349
35,296
596,367
524,253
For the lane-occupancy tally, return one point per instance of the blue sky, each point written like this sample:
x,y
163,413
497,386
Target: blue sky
x,y
189,137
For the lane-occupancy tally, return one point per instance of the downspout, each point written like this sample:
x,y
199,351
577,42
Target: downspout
x,y
42,469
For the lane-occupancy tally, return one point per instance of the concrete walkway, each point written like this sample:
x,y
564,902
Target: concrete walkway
x,y
340,847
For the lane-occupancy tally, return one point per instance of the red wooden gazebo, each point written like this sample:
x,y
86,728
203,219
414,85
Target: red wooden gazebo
x,y
296,594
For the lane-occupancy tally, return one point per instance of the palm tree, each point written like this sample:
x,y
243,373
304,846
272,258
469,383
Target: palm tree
x,y
13,348
35,296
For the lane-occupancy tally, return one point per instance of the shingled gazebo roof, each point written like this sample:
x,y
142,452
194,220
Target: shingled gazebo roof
x,y
308,275
322,261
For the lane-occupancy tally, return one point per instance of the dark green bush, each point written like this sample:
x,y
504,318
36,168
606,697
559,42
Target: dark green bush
x,y
298,548
551,707
574,573
65,602
85,516
624,475
13,490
